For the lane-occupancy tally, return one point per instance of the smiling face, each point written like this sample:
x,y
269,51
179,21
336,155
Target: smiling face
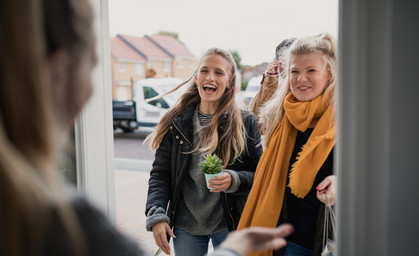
x,y
308,76
212,79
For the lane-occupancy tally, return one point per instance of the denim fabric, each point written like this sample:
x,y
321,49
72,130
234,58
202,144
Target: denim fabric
x,y
294,249
186,244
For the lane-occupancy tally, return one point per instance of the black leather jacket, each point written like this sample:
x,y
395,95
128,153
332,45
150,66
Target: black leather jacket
x,y
172,163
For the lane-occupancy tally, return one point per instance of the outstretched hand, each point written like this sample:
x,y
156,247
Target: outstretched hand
x,y
257,239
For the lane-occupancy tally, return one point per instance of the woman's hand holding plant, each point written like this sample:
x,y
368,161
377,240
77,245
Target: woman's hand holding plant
x,y
220,183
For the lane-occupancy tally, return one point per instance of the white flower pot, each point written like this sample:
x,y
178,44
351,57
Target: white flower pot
x,y
210,176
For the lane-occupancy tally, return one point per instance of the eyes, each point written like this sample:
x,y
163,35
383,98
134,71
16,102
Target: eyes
x,y
296,71
216,72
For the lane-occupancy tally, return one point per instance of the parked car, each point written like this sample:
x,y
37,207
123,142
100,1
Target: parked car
x,y
124,115
252,88
129,115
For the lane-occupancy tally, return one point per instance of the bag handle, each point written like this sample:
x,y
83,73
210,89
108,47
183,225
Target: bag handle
x,y
329,214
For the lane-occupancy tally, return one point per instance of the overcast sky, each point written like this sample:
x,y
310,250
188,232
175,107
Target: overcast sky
x,y
252,27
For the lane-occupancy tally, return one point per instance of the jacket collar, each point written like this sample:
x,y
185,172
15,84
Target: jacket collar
x,y
184,122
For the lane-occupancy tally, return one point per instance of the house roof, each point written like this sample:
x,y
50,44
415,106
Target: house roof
x,y
144,46
121,50
171,45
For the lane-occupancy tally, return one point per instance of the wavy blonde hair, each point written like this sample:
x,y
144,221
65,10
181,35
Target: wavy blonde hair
x,y
272,111
228,145
30,188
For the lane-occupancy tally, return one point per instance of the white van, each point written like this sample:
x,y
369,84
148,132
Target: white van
x,y
252,88
150,113
129,115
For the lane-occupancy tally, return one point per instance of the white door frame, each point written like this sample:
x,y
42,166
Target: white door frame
x,y
94,129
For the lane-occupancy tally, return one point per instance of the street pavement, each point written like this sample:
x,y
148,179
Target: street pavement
x,y
130,194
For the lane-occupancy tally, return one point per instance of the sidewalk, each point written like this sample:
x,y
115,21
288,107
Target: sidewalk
x,y
130,194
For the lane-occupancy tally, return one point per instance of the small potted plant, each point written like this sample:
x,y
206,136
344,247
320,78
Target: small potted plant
x,y
211,166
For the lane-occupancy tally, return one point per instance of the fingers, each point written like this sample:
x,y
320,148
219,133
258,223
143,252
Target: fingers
x,y
284,230
159,234
327,187
272,67
273,64
170,232
277,243
324,184
260,238
220,183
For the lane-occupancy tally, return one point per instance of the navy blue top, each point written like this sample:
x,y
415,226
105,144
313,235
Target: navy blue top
x,y
302,213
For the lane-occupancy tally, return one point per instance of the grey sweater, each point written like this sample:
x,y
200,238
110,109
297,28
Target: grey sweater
x,y
199,212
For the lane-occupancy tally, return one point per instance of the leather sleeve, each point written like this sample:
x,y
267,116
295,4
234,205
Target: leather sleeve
x,y
159,184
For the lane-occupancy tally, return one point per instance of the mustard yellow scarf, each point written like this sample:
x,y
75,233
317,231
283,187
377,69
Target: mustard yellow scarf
x,y
264,203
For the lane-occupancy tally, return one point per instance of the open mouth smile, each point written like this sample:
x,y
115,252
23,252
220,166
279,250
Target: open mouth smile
x,y
209,88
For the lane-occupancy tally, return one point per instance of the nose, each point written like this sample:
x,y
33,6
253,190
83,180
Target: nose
x,y
210,76
302,76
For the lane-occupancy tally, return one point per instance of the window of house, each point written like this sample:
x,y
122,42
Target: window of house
x,y
179,63
122,93
139,69
122,67
166,66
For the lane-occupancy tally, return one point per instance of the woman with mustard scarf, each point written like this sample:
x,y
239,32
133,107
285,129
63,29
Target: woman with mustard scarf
x,y
296,169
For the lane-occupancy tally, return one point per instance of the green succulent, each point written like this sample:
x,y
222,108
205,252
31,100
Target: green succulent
x,y
211,164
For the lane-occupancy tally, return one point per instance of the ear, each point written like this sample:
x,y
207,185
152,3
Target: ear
x,y
58,66
58,69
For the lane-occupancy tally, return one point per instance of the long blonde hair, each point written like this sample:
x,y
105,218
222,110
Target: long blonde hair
x,y
272,112
228,145
30,193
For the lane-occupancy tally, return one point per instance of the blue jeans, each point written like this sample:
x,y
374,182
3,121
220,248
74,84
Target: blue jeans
x,y
186,244
294,249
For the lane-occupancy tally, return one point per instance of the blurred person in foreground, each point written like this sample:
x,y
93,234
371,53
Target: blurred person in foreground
x,y
47,54
296,168
271,78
